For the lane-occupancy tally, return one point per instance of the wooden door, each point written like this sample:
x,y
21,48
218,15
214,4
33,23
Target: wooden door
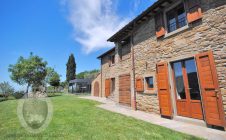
x,y
164,90
107,87
212,98
124,90
187,91
96,89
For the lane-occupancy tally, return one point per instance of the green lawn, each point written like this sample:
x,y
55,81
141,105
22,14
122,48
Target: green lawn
x,y
79,119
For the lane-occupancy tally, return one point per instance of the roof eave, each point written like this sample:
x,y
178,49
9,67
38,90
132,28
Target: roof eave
x,y
106,53
149,12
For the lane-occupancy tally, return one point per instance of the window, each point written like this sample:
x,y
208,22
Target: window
x,y
179,79
112,84
176,18
149,83
125,52
112,59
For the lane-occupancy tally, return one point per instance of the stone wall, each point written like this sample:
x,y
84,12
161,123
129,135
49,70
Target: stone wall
x,y
121,66
207,34
145,65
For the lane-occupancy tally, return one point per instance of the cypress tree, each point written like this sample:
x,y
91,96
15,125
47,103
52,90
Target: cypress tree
x,y
71,68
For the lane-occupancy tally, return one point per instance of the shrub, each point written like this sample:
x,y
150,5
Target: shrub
x,y
51,94
19,94
54,94
2,99
11,97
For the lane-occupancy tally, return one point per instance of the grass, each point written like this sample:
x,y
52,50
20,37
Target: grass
x,y
80,119
54,94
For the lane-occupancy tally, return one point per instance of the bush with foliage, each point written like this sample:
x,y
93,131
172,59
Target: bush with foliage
x,y
54,94
2,99
55,80
19,94
11,97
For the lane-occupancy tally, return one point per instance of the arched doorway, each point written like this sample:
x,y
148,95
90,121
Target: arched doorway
x,y
96,89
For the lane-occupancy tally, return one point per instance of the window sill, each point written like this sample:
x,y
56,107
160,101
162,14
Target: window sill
x,y
176,31
150,92
124,59
112,65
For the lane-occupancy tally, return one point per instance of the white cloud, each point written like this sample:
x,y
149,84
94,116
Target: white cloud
x,y
93,21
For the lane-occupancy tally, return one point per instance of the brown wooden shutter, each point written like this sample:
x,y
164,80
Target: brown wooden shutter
x,y
194,11
96,89
107,87
164,90
211,96
159,25
139,84
125,89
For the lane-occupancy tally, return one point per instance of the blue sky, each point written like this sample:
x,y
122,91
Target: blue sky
x,y
53,29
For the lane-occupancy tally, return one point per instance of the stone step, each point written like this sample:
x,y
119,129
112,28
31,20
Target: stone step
x,y
190,120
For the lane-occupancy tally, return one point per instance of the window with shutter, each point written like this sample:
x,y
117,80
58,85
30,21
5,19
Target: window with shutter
x,y
111,60
107,87
164,89
176,18
112,85
212,97
194,11
159,25
139,85
149,83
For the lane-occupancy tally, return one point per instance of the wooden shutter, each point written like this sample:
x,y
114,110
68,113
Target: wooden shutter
x,y
193,9
211,95
164,90
107,87
159,25
139,84
125,89
96,89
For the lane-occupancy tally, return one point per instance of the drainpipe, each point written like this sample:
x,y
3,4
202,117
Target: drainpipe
x,y
101,77
133,70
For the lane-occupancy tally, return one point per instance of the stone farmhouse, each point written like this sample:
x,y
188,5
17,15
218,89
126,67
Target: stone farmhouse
x,y
170,60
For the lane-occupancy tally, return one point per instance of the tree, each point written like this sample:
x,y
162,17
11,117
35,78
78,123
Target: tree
x,y
30,71
71,68
55,80
49,73
6,89
88,74
63,84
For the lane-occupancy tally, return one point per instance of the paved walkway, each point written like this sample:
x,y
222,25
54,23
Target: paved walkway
x,y
183,127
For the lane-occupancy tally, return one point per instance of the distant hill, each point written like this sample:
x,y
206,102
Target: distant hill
x,y
88,74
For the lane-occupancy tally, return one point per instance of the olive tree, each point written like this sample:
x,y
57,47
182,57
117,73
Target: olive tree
x,y
29,71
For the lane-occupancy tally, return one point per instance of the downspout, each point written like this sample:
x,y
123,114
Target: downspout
x,y
101,77
133,70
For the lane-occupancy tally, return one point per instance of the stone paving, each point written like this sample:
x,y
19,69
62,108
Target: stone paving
x,y
196,130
